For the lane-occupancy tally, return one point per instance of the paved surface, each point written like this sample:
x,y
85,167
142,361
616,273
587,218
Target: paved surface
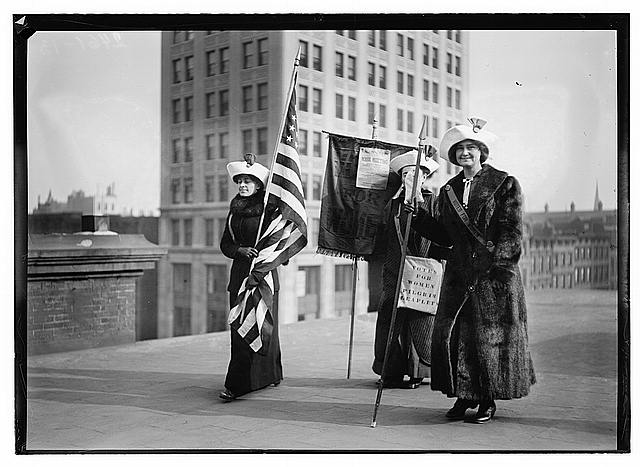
x,y
163,394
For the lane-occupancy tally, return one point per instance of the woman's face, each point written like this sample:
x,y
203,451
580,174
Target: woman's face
x,y
468,154
407,176
246,185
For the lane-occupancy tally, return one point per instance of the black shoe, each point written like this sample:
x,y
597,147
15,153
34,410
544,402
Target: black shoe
x,y
227,395
276,384
485,413
398,384
459,408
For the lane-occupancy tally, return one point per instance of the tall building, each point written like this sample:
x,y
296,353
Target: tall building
x,y
103,203
223,96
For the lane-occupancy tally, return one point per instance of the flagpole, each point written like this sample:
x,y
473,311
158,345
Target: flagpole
x,y
354,277
403,254
287,100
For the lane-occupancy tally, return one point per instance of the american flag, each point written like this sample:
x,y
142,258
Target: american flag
x,y
282,237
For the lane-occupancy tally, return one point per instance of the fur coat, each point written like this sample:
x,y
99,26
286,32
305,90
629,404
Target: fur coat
x,y
480,343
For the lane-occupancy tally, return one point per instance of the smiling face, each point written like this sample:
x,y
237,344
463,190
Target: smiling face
x,y
246,185
468,154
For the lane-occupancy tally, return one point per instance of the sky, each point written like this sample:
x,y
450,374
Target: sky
x,y
550,96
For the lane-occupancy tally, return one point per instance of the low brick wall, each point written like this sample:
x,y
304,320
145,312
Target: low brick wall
x,y
81,290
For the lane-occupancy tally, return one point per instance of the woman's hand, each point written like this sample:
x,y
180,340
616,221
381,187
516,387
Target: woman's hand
x,y
247,252
411,207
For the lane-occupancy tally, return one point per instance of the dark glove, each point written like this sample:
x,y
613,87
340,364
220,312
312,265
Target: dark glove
x,y
499,276
247,252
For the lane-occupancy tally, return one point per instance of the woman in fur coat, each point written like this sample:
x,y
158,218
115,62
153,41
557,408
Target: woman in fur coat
x,y
248,370
480,346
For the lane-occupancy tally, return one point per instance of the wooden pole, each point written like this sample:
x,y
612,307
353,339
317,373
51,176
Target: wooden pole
x,y
403,255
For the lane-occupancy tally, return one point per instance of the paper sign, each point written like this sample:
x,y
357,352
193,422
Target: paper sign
x,y
373,168
421,281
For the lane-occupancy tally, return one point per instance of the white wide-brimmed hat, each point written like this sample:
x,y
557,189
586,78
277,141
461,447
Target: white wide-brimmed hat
x,y
458,133
248,167
409,158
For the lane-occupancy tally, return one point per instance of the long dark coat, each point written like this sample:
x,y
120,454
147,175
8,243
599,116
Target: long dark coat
x,y
480,343
410,352
248,371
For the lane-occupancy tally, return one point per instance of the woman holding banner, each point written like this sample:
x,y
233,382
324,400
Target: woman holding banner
x,y
410,352
248,370
480,345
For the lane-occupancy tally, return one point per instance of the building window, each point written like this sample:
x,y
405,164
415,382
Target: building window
x,y
351,33
208,188
371,75
224,60
382,115
188,65
302,141
316,187
425,54
343,278
247,99
176,36
400,82
339,106
247,141
188,232
317,101
211,63
371,38
304,180
434,127
458,38
410,85
262,140
208,232
352,108
383,77
247,55
304,53
339,64
224,145
425,90
224,102
458,99
409,122
175,191
188,190
221,223
175,150
434,57
188,149
340,32
400,45
175,110
317,58
188,35
262,96
209,146
303,98
449,97
371,113
223,187
210,103
351,68
216,297
449,63
458,71
188,108
317,144
434,93
410,48
177,70
181,299
175,232
263,52
382,41
400,120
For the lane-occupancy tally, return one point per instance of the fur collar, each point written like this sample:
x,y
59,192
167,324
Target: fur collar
x,y
250,206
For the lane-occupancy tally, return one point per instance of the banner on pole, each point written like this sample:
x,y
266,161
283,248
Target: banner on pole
x,y
357,187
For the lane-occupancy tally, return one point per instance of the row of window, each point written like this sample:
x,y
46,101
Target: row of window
x,y
430,57
582,275
254,98
181,231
